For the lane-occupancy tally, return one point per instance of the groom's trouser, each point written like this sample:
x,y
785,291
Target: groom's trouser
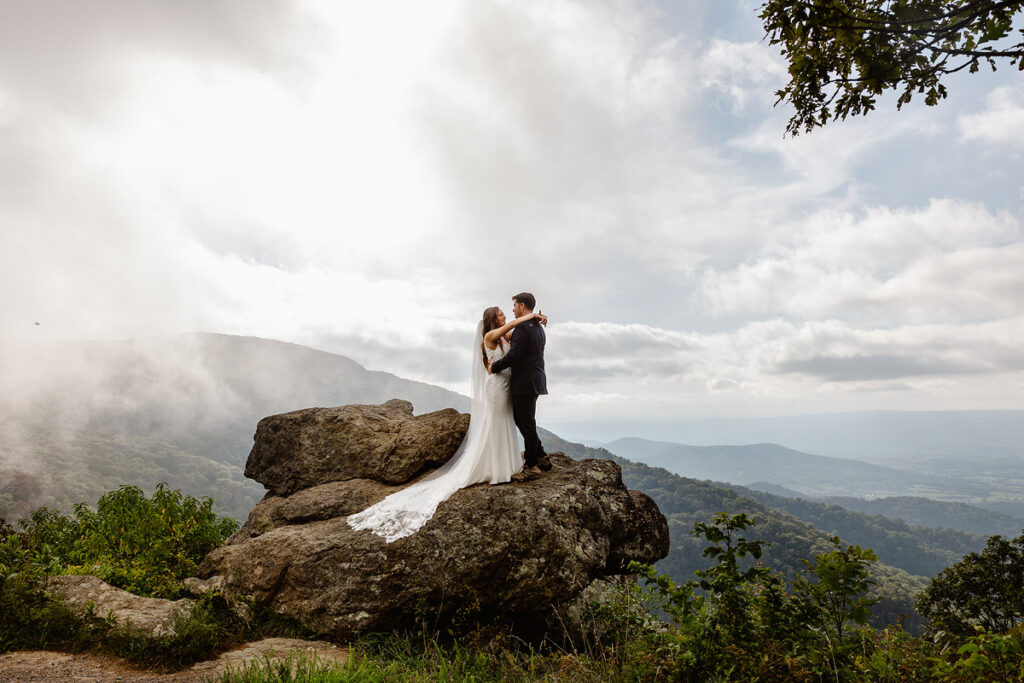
x,y
524,412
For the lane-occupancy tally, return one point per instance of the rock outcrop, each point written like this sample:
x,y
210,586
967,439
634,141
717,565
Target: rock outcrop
x,y
512,549
384,443
153,616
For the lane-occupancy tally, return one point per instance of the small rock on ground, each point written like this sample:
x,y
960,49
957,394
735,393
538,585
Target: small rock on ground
x,y
277,648
44,666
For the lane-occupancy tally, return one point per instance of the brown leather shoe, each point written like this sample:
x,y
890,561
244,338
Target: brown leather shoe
x,y
526,474
544,463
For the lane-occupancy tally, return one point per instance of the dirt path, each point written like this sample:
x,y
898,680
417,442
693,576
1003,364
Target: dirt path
x,y
37,666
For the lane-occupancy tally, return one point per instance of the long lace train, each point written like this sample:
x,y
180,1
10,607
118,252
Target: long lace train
x,y
488,453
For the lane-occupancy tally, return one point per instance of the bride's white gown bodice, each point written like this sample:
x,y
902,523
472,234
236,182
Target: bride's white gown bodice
x,y
490,453
498,385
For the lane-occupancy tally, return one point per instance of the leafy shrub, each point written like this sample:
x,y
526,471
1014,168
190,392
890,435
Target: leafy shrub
x,y
983,589
144,545
985,656
32,617
735,622
28,616
738,620
833,599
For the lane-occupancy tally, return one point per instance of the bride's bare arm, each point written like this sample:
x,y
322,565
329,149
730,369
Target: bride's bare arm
x,y
491,338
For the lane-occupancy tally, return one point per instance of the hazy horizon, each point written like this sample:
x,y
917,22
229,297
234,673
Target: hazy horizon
x,y
77,418
60,371
366,178
868,435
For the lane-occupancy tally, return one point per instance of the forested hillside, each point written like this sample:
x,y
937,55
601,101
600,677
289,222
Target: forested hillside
x,y
81,418
919,550
935,513
687,501
771,465
60,471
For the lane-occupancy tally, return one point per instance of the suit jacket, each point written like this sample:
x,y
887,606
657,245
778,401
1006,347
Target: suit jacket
x,y
526,358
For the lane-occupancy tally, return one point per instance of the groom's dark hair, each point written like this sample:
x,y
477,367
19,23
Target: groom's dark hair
x,y
526,299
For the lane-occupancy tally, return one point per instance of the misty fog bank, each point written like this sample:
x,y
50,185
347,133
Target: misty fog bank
x,y
83,416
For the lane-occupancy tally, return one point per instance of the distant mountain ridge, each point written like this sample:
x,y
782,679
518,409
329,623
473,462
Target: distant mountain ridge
x,y
768,462
917,511
766,466
195,398
892,437
935,513
923,550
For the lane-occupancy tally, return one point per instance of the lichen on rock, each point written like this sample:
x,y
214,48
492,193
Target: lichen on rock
x,y
154,617
512,549
384,443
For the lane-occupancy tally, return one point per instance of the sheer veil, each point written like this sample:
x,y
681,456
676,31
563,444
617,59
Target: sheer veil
x,y
478,412
405,511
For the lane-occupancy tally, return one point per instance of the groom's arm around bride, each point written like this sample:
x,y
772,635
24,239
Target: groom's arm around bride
x,y
528,381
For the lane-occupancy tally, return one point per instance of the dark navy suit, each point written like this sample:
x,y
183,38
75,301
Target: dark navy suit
x,y
526,358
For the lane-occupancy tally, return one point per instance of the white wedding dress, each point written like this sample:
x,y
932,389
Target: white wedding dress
x,y
489,453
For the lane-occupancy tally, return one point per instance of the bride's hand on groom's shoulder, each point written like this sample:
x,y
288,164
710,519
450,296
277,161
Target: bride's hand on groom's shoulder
x,y
542,319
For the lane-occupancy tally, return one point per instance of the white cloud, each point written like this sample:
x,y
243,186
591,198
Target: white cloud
x,y
764,367
818,165
331,174
595,398
548,123
743,72
1000,123
950,260
775,366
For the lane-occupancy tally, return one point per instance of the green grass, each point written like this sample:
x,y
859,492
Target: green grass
x,y
408,658
197,636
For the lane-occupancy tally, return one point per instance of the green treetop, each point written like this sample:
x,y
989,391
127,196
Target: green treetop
x,y
843,54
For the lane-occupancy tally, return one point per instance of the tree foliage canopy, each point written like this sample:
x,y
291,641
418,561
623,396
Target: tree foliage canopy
x,y
843,54
983,589
143,545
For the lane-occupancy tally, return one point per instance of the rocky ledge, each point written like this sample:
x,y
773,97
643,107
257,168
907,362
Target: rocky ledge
x,y
512,549
154,617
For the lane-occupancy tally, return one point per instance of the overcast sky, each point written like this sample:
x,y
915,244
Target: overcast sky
x,y
367,177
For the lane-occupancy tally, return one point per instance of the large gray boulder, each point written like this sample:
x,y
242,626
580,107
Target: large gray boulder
x,y
155,617
383,442
513,549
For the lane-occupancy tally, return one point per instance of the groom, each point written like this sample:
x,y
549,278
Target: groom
x,y
526,358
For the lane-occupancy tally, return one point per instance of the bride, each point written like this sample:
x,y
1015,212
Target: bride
x,y
489,451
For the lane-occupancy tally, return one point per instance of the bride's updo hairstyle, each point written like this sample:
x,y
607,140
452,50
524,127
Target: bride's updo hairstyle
x,y
490,323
